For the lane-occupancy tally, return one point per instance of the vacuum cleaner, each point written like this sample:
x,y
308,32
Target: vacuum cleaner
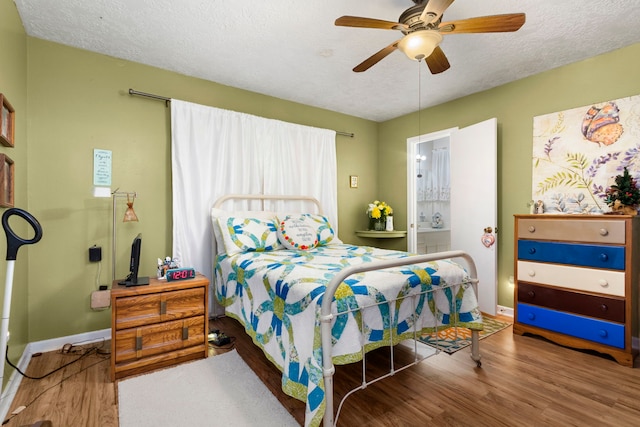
x,y
14,242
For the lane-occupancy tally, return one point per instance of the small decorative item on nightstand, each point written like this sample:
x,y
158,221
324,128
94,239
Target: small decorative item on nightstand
x,y
166,264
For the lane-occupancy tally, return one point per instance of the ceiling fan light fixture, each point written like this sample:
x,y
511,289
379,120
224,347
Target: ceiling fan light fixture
x,y
419,44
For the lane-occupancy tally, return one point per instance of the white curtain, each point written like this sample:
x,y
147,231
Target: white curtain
x,y
217,152
438,183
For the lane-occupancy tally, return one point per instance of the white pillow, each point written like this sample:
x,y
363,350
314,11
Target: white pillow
x,y
217,213
297,232
241,234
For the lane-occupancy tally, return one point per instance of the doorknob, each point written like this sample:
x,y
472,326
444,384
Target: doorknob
x,y
488,239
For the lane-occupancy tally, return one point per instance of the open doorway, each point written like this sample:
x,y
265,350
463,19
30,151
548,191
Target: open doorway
x,y
428,198
433,190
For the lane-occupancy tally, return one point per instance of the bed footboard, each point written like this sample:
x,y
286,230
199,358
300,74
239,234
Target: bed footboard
x,y
326,315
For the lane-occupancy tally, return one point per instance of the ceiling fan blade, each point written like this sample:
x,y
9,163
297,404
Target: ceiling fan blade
x,y
484,24
437,61
434,10
357,21
375,58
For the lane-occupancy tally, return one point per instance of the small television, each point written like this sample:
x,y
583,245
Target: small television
x,y
132,279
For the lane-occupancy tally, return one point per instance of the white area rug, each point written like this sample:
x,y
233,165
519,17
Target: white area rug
x,y
217,391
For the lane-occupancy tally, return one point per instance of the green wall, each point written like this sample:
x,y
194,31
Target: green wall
x,y
13,84
602,78
79,101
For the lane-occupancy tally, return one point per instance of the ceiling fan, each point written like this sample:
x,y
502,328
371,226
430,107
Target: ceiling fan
x,y
423,29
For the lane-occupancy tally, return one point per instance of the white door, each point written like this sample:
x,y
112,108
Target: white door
x,y
474,171
474,203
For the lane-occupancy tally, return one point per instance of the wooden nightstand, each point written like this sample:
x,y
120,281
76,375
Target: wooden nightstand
x,y
158,325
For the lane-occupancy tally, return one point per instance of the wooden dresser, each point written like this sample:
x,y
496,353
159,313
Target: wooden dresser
x,y
577,281
158,325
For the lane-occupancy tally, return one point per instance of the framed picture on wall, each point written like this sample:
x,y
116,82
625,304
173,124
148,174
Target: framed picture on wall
x,y
7,122
6,181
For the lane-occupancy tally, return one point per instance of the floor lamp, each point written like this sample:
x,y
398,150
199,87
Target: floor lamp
x,y
129,216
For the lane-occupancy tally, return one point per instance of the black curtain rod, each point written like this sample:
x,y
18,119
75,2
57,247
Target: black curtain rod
x,y
167,100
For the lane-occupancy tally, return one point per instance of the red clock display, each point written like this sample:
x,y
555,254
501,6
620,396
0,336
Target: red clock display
x,y
175,274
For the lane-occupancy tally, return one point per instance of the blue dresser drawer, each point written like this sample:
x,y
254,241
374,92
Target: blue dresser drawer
x,y
611,257
587,328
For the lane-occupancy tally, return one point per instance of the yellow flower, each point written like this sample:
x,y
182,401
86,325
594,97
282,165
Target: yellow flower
x,y
378,209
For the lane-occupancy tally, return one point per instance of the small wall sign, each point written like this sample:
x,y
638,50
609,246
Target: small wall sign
x,y
102,167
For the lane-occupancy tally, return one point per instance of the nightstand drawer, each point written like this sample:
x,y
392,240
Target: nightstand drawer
x,y
145,341
611,334
598,256
580,230
607,282
605,308
141,310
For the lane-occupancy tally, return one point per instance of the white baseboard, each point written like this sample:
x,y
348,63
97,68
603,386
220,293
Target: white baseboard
x,y
13,383
505,311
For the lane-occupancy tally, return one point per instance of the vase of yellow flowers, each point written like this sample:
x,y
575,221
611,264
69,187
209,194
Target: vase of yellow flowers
x,y
378,212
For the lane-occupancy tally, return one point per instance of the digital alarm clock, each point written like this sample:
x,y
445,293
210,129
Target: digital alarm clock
x,y
175,274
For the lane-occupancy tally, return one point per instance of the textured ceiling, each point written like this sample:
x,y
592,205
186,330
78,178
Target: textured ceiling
x,y
292,50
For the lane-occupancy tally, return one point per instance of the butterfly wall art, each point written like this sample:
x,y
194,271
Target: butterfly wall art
x,y
578,152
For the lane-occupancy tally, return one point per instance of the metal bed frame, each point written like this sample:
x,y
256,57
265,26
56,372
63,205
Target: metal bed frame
x,y
327,316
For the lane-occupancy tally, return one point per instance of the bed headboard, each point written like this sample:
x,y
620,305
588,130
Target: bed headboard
x,y
274,197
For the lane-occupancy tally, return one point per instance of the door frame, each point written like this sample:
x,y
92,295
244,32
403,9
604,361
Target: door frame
x,y
412,144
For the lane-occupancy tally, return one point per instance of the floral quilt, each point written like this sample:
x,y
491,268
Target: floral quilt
x,y
277,295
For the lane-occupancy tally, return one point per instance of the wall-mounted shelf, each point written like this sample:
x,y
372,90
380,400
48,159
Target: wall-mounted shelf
x,y
381,234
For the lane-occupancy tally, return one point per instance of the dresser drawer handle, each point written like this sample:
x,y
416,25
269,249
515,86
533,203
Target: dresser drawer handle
x,y
604,257
531,316
531,273
604,232
185,333
138,343
602,333
163,307
531,229
604,308
603,283
531,294
532,251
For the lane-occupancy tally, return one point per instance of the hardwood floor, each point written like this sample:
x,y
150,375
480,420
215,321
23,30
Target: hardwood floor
x,y
523,381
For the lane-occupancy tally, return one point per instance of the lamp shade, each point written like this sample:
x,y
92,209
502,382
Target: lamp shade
x,y
419,44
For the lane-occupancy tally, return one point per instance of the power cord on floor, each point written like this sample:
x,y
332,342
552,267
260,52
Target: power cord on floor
x,y
89,351
68,350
